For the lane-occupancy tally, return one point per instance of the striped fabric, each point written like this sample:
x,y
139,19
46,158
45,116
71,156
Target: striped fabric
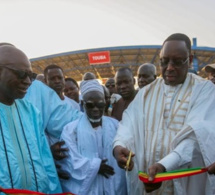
x,y
165,109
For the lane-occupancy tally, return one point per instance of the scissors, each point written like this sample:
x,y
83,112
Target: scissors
x,y
128,161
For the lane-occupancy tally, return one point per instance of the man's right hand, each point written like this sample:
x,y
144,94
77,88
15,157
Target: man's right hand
x,y
121,155
105,169
153,170
61,174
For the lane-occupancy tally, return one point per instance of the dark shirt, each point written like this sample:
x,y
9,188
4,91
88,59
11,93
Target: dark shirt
x,y
120,106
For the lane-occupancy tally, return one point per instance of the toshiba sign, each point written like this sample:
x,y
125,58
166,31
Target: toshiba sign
x,y
99,57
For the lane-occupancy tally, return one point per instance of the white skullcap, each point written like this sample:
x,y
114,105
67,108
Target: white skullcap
x,y
90,85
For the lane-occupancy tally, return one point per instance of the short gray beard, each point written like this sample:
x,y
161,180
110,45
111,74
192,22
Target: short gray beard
x,y
95,120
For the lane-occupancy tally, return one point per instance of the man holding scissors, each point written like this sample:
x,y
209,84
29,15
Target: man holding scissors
x,y
169,126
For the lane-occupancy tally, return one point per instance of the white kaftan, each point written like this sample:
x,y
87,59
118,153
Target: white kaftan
x,y
161,116
87,148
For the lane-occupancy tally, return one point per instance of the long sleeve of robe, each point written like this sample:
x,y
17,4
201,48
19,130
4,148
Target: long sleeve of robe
x,y
55,112
82,169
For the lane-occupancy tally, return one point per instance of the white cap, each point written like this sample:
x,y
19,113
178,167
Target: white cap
x,y
90,85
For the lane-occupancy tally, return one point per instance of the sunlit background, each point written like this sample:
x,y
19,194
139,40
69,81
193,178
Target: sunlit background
x,y
44,27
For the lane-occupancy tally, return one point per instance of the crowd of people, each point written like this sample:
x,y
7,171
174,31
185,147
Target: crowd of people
x,y
93,139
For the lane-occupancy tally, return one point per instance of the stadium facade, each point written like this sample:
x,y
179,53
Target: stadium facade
x,y
76,63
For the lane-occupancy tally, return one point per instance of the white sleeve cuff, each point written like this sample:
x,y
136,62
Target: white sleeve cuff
x,y
171,161
118,143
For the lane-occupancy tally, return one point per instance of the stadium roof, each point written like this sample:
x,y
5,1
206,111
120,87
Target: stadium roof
x,y
76,63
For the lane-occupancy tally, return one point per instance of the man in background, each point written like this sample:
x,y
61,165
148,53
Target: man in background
x,y
125,87
54,78
71,89
88,76
114,96
110,84
146,74
210,69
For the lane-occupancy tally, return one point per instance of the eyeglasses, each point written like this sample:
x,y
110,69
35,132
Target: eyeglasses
x,y
175,62
110,85
21,74
91,105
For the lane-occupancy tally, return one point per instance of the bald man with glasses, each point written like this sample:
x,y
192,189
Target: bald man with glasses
x,y
26,161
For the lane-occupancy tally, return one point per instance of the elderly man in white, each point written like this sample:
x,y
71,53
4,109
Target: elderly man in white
x,y
90,163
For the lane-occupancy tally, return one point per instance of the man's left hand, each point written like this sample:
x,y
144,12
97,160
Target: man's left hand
x,y
211,169
153,170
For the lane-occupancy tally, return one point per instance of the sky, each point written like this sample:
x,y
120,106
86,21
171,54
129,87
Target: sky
x,y
46,27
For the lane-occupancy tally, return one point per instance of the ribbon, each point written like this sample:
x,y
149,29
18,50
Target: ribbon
x,y
24,192
171,174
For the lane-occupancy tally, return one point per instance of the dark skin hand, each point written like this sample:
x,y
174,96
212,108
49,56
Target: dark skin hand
x,y
211,169
61,174
121,155
152,171
58,154
105,169
57,151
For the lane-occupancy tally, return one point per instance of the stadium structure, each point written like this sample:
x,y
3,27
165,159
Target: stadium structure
x,y
76,63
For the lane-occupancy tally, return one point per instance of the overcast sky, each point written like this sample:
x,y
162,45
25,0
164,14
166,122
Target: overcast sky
x,y
45,27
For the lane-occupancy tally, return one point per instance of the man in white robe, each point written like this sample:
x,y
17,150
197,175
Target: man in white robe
x,y
169,126
26,161
90,163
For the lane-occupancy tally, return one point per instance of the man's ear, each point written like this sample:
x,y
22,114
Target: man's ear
x,y
191,59
134,80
